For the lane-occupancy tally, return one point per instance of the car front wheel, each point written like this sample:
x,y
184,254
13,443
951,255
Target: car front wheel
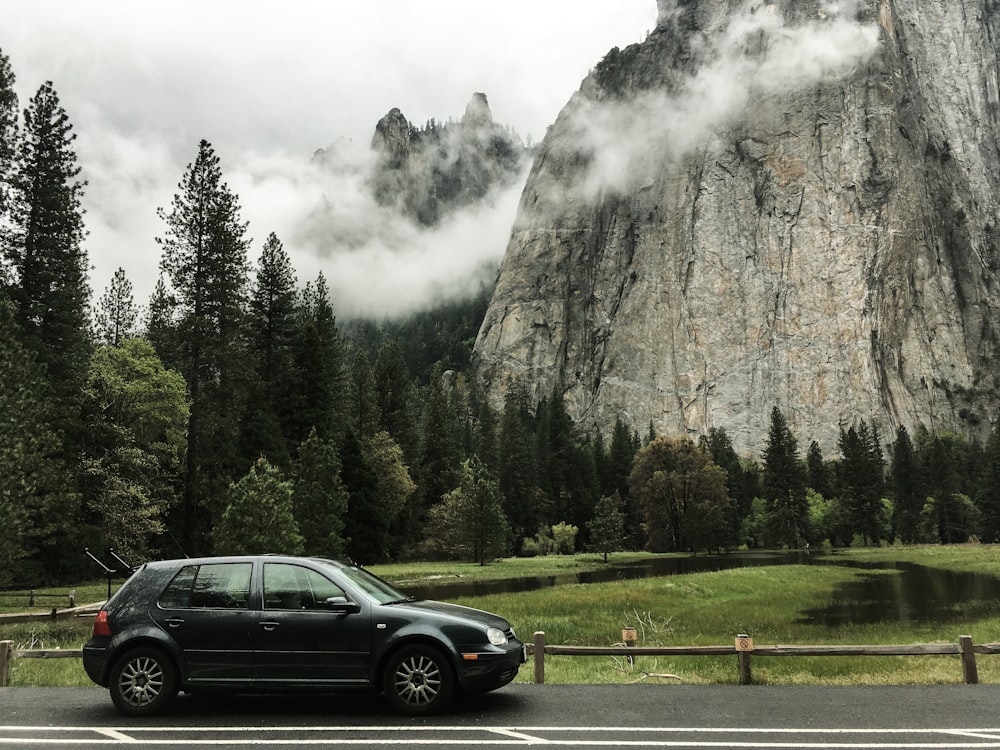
x,y
418,680
143,682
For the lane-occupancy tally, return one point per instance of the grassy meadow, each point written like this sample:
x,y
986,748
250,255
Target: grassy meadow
x,y
684,610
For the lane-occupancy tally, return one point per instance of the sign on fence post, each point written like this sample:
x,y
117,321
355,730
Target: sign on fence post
x,y
744,645
629,638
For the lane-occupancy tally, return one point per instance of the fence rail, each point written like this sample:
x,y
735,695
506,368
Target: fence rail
x,y
743,649
539,649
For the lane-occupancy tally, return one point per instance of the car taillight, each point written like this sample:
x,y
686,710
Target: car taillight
x,y
101,624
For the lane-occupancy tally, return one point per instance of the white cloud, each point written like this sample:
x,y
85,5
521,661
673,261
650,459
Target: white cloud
x,y
267,83
755,52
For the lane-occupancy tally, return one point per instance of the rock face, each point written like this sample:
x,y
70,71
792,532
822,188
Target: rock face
x,y
428,172
787,204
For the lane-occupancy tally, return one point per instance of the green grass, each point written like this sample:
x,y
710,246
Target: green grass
x,y
687,610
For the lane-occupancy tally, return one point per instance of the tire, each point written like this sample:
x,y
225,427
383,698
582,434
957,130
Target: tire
x,y
418,680
143,682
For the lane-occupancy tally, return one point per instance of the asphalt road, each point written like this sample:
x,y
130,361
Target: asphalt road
x,y
676,716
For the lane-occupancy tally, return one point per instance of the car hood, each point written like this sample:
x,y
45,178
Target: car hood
x,y
456,611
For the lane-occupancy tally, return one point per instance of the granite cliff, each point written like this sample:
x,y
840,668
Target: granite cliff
x,y
787,204
428,172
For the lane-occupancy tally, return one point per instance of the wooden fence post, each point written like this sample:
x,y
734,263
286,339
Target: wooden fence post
x,y
744,645
969,669
539,657
6,652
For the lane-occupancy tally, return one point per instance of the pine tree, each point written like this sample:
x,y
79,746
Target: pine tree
x,y
319,497
37,501
365,524
440,448
8,135
470,518
42,247
607,527
268,424
908,488
518,462
160,322
862,481
363,411
204,258
395,396
988,498
115,317
320,384
259,516
784,486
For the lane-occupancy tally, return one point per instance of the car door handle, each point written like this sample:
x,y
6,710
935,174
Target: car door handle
x,y
269,625
175,622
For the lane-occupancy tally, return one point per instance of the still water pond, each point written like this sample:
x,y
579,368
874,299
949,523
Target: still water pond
x,y
891,592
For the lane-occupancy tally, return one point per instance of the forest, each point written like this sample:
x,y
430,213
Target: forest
x,y
232,412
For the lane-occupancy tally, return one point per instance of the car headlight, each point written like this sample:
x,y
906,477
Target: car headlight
x,y
496,636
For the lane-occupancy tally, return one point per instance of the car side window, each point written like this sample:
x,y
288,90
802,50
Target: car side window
x,y
211,586
295,587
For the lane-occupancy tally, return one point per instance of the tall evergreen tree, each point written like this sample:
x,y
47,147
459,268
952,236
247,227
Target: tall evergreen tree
x,y
319,391
784,486
862,481
469,521
205,259
42,245
440,446
908,488
518,464
366,526
363,411
817,472
116,315
319,497
37,501
8,134
259,516
621,454
988,498
160,322
395,395
268,423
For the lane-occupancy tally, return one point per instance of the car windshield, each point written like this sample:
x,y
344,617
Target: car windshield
x,y
375,587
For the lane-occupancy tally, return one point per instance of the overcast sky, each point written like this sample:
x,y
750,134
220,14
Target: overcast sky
x,y
267,83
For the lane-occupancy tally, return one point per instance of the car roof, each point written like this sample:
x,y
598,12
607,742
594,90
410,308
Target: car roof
x,y
270,557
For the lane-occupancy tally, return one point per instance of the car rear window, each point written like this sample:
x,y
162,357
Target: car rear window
x,y
209,586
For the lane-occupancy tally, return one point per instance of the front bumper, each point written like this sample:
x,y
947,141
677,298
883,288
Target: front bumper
x,y
483,671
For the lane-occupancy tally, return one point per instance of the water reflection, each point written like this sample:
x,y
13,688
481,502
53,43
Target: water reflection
x,y
649,568
908,593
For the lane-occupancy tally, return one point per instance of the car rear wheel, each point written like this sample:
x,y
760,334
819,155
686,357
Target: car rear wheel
x,y
143,682
418,680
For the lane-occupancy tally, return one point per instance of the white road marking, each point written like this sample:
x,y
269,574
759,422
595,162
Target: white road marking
x,y
735,737
116,735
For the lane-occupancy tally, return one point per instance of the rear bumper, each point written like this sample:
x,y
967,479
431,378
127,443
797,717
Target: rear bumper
x,y
95,662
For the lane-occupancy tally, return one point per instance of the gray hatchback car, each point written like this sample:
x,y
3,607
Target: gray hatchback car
x,y
274,623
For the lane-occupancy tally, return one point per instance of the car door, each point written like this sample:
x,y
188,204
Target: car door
x,y
205,611
300,640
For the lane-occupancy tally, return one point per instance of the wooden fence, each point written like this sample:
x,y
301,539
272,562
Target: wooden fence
x,y
743,648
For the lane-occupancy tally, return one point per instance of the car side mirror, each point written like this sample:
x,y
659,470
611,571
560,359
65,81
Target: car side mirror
x,y
341,605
